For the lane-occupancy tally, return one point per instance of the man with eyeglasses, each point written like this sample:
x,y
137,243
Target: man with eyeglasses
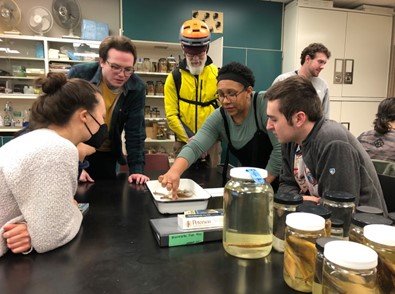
x,y
190,89
240,123
313,60
124,96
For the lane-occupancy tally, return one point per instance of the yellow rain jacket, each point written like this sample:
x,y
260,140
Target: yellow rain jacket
x,y
187,111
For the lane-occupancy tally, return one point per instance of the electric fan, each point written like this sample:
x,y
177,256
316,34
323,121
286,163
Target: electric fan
x,y
40,20
67,14
10,16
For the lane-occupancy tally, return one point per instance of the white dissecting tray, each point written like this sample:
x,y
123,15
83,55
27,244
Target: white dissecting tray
x,y
199,199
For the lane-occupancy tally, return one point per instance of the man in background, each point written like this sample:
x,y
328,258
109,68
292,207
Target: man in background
x,y
318,154
124,96
313,60
190,90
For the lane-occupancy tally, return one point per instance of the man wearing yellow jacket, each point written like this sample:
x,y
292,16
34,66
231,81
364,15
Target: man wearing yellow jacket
x,y
191,88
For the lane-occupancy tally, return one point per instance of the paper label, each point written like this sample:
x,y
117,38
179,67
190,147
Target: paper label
x,y
255,176
184,239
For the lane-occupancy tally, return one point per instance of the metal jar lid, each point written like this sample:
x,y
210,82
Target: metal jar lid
x,y
315,209
337,223
369,209
339,196
288,198
320,243
363,219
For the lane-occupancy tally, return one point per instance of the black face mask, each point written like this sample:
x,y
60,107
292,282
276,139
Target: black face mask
x,y
98,138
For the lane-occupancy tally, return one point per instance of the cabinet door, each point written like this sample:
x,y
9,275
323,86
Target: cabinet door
x,y
216,51
359,114
368,42
329,28
335,110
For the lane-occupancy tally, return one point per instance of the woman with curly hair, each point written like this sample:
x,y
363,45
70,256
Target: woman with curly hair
x,y
380,142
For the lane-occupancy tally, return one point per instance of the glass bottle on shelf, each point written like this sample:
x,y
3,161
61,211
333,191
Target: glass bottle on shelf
x,y
159,88
146,64
150,88
8,117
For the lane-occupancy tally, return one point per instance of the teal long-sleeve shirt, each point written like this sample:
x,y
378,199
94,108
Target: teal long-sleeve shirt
x,y
213,130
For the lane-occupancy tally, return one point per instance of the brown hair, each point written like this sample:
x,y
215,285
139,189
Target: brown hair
x,y
385,115
312,49
295,94
60,99
120,43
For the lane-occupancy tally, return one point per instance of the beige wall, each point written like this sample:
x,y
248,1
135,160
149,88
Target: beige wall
x,y
99,10
391,82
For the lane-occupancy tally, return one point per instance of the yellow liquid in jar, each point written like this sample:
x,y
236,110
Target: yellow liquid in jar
x,y
247,245
299,263
317,288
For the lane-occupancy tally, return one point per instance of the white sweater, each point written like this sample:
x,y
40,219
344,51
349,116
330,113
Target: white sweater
x,y
38,180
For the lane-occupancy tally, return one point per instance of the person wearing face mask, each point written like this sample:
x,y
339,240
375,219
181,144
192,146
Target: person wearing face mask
x,y
240,122
313,60
124,96
190,89
38,169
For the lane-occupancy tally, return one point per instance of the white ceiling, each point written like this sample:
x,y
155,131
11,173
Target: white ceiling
x,y
354,3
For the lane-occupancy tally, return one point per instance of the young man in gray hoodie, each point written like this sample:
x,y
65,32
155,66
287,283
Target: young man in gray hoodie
x,y
318,154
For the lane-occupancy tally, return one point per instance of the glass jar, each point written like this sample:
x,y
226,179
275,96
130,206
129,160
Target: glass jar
x,y
319,262
283,205
337,228
349,267
381,238
139,64
301,233
246,231
171,63
159,88
342,206
146,64
150,88
318,210
162,65
360,220
369,209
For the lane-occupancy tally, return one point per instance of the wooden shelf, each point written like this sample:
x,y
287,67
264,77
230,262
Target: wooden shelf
x,y
155,118
150,73
18,96
9,129
70,61
149,140
155,96
18,78
22,58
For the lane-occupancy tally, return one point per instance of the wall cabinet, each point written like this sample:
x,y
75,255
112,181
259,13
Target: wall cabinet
x,y
357,40
25,58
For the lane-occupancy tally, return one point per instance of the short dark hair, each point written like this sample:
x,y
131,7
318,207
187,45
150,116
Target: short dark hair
x,y
60,99
385,114
120,43
295,94
240,70
312,49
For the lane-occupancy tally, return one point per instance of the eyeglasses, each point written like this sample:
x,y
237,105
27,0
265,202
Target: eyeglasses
x,y
230,96
200,55
118,69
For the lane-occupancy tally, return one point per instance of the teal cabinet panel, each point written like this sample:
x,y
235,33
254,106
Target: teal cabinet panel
x,y
266,66
253,24
234,54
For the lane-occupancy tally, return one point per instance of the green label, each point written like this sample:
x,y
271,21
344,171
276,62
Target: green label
x,y
184,239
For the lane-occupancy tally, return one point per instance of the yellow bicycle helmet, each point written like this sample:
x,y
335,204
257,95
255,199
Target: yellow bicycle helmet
x,y
194,32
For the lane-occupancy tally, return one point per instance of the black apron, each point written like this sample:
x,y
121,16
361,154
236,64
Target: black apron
x,y
254,153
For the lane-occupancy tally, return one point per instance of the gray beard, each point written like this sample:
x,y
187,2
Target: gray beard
x,y
196,70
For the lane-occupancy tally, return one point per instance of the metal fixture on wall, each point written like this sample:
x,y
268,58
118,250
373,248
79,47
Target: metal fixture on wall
x,y
344,71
